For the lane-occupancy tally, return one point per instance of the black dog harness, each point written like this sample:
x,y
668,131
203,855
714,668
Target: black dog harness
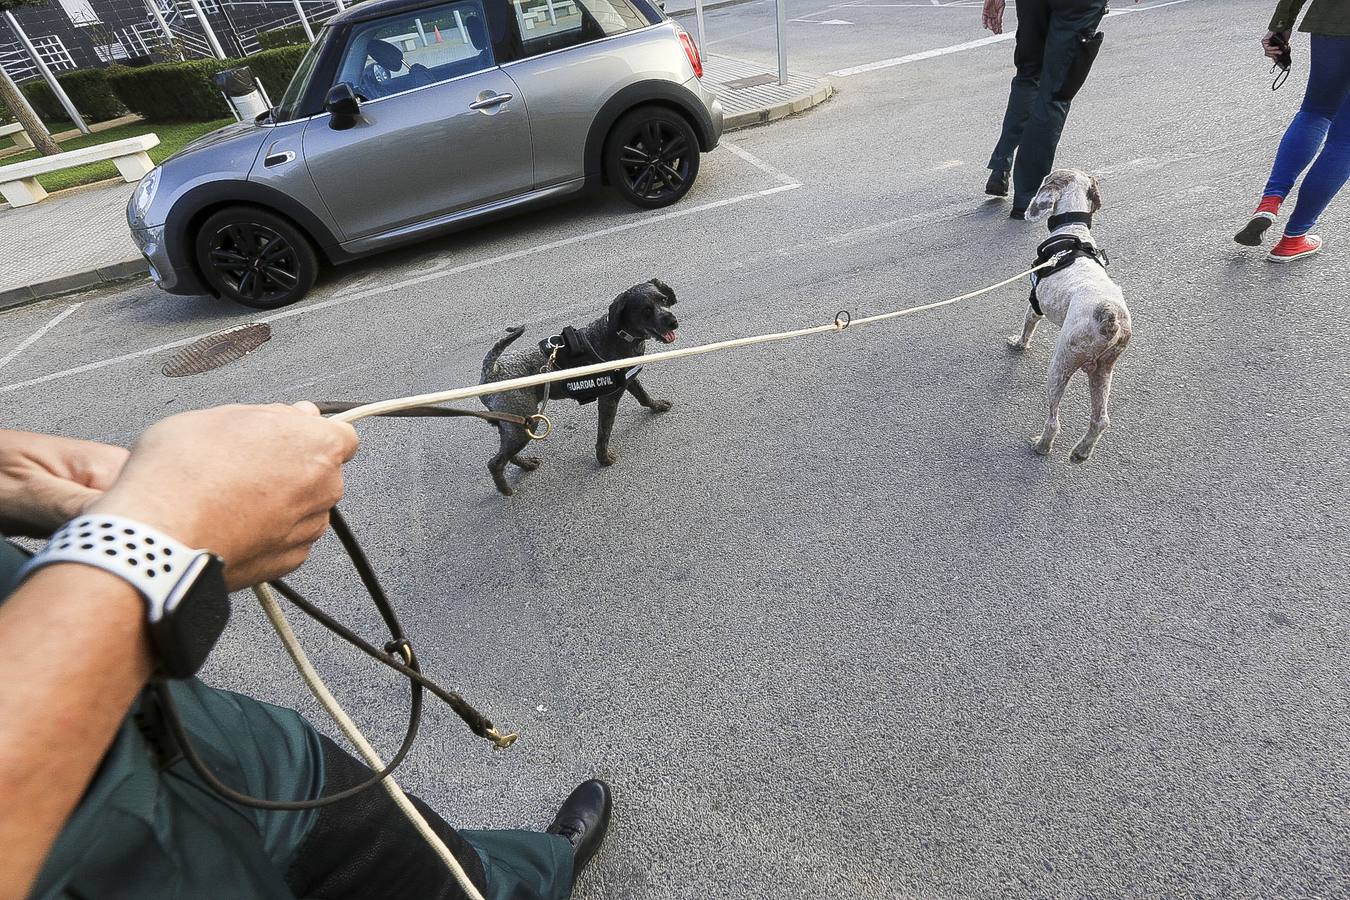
x,y
1064,250
570,350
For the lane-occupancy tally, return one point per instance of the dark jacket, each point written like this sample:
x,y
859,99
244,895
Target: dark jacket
x,y
1324,16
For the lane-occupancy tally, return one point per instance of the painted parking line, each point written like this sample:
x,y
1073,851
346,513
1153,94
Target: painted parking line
x,y
37,335
777,174
969,45
289,312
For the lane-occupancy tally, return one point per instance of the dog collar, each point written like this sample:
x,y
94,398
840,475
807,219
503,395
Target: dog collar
x,y
1071,218
632,339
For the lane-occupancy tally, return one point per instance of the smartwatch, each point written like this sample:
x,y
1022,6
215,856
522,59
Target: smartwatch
x,y
186,604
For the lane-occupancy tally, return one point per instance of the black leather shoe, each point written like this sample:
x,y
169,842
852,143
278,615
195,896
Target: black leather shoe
x,y
1019,213
583,821
997,185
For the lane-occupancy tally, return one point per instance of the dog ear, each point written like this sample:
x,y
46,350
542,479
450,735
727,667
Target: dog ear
x,y
619,308
1094,192
1046,198
664,289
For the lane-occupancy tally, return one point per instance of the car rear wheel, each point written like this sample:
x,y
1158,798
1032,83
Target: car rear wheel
x,y
652,157
255,257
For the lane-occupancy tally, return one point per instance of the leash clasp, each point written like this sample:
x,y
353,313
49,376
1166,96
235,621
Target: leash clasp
x,y
501,741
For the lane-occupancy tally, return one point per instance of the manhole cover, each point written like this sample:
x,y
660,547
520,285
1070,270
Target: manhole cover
x,y
752,81
215,350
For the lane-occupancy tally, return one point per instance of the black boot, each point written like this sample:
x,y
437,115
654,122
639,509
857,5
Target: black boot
x,y
583,821
997,185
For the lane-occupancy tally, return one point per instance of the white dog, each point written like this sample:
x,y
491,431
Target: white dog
x,y
1080,298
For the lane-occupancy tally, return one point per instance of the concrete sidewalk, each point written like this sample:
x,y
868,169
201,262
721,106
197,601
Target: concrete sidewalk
x,y
78,238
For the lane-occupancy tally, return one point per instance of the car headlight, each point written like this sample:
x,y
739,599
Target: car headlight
x,y
145,193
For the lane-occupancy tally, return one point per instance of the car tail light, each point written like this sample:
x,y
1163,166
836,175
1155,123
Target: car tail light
x,y
691,51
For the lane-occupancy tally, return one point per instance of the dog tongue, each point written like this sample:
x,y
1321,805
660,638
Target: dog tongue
x,y
668,337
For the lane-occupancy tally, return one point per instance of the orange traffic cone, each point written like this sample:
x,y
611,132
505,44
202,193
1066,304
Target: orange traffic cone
x,y
437,29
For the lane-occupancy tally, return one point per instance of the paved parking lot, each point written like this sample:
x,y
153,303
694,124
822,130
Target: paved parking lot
x,y
829,626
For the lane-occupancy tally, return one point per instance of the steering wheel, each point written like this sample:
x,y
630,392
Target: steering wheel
x,y
373,80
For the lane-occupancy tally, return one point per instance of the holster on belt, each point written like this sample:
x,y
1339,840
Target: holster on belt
x,y
1085,54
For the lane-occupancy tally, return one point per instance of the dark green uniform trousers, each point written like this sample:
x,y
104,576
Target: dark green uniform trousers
x,y
147,828
1047,44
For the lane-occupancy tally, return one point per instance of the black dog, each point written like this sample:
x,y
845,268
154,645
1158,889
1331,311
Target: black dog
x,y
640,313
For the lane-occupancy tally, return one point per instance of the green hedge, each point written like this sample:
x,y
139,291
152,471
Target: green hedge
x,y
274,68
283,37
183,91
88,89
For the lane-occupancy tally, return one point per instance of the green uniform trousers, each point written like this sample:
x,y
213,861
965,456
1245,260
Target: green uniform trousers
x,y
1047,45
147,828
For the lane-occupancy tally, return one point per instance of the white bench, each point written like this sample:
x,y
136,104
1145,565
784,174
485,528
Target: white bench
x,y
19,184
14,131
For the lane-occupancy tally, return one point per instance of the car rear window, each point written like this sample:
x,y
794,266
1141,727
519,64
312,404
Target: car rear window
x,y
553,24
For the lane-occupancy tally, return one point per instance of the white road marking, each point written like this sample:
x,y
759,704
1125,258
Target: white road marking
x,y
821,22
778,174
948,164
289,312
917,57
37,335
968,45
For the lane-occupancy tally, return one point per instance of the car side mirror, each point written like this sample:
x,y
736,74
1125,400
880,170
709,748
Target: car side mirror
x,y
342,102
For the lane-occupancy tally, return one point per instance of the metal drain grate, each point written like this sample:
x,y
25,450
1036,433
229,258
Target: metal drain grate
x,y
215,350
751,81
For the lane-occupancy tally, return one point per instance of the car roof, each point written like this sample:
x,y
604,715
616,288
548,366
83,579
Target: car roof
x,y
378,9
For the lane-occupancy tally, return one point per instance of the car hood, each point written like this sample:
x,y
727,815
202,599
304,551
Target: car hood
x,y
241,132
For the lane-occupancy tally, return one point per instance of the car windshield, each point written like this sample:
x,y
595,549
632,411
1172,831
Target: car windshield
x,y
289,107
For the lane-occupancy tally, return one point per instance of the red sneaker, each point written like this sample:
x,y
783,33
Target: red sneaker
x,y
1267,211
1292,248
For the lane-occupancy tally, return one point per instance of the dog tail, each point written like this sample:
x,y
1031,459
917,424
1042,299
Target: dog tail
x,y
498,348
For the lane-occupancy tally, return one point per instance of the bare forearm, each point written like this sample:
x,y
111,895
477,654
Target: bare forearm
x,y
73,656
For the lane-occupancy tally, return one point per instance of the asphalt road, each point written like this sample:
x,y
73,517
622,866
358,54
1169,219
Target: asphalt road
x,y
828,626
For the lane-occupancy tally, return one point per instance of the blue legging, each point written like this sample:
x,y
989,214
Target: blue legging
x,y
1321,132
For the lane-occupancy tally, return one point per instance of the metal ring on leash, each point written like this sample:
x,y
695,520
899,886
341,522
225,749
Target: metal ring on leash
x,y
534,419
842,319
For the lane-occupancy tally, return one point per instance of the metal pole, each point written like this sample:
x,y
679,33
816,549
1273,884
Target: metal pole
x,y
698,23
782,40
300,11
47,75
158,13
340,5
206,29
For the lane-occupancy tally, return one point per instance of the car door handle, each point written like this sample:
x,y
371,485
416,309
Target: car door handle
x,y
489,102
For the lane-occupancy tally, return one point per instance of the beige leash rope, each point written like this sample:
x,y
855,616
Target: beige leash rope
x,y
277,617
841,321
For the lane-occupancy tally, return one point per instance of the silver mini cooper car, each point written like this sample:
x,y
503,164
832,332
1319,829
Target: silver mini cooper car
x,y
408,118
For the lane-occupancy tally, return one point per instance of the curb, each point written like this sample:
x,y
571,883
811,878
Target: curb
x,y
54,287
823,91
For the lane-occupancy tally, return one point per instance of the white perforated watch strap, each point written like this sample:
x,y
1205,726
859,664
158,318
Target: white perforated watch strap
x,y
150,560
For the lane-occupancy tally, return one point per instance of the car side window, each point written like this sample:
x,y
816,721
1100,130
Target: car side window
x,y
546,25
402,53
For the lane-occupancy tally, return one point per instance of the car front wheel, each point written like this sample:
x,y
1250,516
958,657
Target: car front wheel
x,y
652,157
255,257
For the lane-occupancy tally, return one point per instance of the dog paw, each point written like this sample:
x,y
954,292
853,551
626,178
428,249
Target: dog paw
x,y
1016,345
528,463
606,458
1041,447
505,490
660,406
1081,454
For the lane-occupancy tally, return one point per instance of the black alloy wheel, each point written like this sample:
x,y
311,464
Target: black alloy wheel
x,y
652,157
255,258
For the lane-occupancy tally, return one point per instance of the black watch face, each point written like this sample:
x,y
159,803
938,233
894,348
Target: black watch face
x,y
194,618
